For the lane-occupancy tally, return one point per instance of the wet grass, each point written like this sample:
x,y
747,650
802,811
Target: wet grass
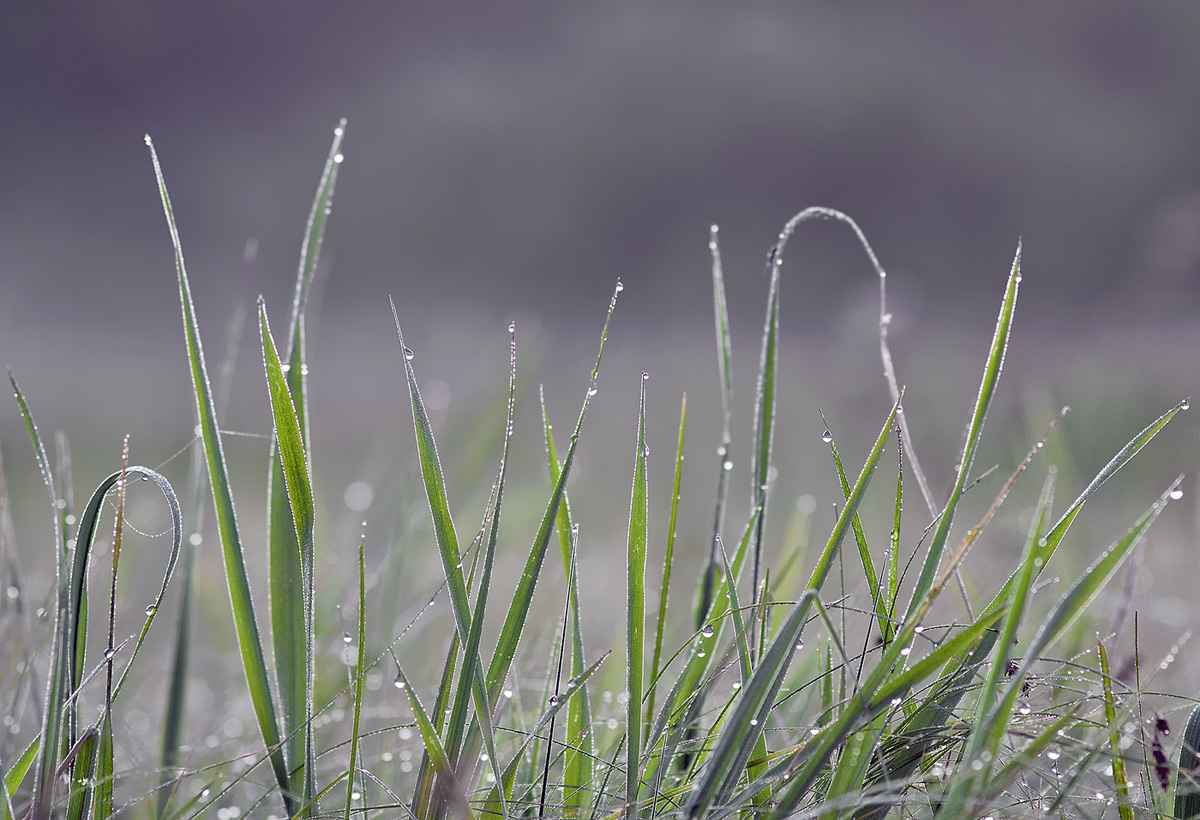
x,y
801,687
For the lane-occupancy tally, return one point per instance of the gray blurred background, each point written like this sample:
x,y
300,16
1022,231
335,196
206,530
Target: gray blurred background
x,y
511,160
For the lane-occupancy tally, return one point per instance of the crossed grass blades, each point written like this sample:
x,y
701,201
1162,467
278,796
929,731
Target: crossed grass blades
x,y
929,718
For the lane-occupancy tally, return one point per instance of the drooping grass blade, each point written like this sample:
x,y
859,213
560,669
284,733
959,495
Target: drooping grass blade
x,y
288,560
249,642
635,616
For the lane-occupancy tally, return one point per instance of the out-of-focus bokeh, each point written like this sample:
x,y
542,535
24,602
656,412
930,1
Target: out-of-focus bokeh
x,y
510,161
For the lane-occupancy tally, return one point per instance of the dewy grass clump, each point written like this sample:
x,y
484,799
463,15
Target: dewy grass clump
x,y
785,700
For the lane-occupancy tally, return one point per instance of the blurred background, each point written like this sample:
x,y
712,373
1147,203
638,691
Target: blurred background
x,y
510,161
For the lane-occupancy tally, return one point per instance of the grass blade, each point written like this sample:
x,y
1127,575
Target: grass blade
x,y
764,422
1187,795
635,614
291,641
241,601
748,720
359,674
709,580
1120,778
668,562
294,464
578,764
987,389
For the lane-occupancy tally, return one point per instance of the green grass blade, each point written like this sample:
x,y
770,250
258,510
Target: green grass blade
x,y
15,776
289,636
709,580
1120,777
987,389
175,709
61,673
359,674
740,637
249,642
864,551
635,616
668,562
578,765
757,698
764,423
294,463
447,784
1187,795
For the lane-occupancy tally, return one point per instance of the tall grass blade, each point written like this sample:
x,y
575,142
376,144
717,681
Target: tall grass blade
x,y
1120,777
294,464
724,464
748,720
987,389
175,709
514,621
668,562
764,423
249,641
635,615
61,674
288,561
447,786
578,763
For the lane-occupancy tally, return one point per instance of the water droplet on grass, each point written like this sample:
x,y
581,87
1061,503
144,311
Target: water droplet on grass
x,y
707,631
827,437
1185,405
337,158
620,287
1176,495
408,354
398,683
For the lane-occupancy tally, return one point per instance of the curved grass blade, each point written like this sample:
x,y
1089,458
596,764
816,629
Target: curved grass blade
x,y
241,601
987,389
290,637
668,562
635,616
740,733
709,579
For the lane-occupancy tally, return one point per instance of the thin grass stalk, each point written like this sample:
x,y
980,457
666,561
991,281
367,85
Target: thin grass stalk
x,y
635,615
514,621
764,423
359,675
578,764
1119,774
61,673
711,574
668,562
249,642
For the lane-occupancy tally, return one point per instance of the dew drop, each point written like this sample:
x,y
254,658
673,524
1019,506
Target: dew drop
x,y
408,354
1185,405
150,610
398,683
727,466
906,650
620,286
1040,445
707,631
346,637
753,721
592,391
553,701
1176,494
1053,754
512,327
918,629
645,375
337,158
12,593
827,437
109,654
